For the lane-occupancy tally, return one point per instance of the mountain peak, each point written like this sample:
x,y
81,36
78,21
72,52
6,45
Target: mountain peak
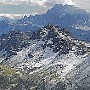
x,y
67,9
52,53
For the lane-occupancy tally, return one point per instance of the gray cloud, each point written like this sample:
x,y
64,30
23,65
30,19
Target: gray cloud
x,y
49,3
84,4
37,2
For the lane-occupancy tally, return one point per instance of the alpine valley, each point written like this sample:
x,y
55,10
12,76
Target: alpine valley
x,y
50,51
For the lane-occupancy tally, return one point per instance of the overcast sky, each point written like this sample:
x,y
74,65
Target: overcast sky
x,y
36,6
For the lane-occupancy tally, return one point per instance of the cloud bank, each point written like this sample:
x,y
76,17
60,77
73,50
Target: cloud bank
x,y
42,3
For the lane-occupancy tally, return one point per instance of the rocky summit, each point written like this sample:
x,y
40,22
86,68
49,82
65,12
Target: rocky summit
x,y
42,60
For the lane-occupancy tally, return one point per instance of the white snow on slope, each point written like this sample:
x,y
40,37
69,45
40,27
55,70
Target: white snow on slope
x,y
46,59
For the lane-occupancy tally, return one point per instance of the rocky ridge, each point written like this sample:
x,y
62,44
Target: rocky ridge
x,y
42,58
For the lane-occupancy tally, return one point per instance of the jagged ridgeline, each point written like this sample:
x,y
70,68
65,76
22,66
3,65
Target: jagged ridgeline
x,y
58,39
39,60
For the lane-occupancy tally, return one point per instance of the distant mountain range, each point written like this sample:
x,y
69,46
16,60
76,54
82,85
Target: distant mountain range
x,y
76,20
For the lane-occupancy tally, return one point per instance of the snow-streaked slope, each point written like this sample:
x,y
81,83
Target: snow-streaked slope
x,y
46,63
50,49
49,54
80,76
